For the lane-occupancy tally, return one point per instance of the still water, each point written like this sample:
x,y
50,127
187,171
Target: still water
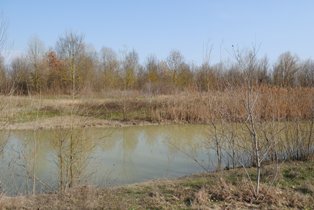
x,y
101,156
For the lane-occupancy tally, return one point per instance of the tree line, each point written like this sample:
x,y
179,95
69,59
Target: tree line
x,y
71,67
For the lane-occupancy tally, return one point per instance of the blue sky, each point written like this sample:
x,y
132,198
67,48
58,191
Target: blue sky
x,y
155,27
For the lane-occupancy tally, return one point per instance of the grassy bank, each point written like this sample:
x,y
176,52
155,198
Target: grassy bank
x,y
293,188
134,108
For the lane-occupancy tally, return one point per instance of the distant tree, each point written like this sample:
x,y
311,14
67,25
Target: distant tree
x,y
305,75
130,67
86,71
3,39
166,84
175,60
20,75
109,68
249,69
233,77
35,55
3,76
71,48
56,80
152,76
262,73
152,69
184,77
285,70
205,78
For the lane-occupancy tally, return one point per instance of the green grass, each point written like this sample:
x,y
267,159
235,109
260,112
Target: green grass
x,y
222,190
297,174
34,115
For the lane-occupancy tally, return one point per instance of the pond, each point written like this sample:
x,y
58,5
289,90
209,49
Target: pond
x,y
49,160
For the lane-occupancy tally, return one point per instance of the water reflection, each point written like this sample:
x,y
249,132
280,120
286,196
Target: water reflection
x,y
63,158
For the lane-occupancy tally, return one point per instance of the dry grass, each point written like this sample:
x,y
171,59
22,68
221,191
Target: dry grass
x,y
272,103
204,191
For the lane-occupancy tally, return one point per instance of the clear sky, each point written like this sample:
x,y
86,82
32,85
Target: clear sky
x,y
155,27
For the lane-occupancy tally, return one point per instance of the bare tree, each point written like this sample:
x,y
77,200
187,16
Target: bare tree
x,y
3,40
152,75
20,75
3,76
261,140
130,68
109,68
35,56
174,62
71,47
285,70
305,75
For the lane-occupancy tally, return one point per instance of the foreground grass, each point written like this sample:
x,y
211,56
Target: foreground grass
x,y
293,189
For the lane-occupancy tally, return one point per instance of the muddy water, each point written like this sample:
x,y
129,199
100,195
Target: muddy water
x,y
48,160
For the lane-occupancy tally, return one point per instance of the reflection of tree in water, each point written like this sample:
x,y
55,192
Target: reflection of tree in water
x,y
73,149
5,115
102,164
129,141
23,164
152,134
111,155
106,138
187,142
185,138
35,149
4,135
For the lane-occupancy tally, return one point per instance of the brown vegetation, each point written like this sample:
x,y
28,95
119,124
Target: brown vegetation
x,y
72,68
222,190
279,104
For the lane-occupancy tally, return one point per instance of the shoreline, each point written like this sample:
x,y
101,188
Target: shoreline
x,y
77,122
227,189
67,122
35,113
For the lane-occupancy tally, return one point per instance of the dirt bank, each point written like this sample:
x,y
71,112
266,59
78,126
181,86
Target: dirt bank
x,y
66,122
